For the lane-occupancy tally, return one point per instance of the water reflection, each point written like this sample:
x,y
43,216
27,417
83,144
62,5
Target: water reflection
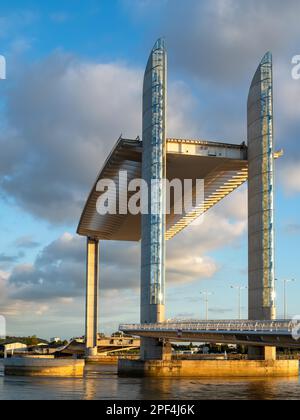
x,y
102,382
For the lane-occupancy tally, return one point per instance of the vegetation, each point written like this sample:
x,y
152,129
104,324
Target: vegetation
x,y
29,341
61,343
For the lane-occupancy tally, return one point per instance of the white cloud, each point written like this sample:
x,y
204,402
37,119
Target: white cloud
x,y
64,117
60,17
290,178
59,269
222,40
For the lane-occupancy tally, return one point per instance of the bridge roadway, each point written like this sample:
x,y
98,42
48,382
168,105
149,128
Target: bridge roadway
x,y
284,334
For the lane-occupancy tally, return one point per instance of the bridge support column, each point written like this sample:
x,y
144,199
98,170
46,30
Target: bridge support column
x,y
270,353
262,353
153,349
92,285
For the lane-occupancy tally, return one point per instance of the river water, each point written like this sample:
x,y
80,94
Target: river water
x,y
102,383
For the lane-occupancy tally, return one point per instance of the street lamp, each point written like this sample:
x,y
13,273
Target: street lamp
x,y
206,294
239,289
285,282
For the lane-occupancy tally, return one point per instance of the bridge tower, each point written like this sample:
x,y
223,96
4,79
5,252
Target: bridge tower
x,y
154,173
261,194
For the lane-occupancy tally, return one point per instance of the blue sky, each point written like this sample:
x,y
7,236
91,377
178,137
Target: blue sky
x,y
74,84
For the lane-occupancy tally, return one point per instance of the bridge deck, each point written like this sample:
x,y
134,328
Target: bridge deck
x,y
258,333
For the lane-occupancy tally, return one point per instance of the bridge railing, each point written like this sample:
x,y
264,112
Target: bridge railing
x,y
230,326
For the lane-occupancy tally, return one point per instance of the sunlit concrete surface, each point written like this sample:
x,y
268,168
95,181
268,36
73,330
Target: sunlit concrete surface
x,y
224,168
210,368
44,367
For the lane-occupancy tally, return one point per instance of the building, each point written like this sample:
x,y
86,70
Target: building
x,y
55,340
9,348
223,167
106,346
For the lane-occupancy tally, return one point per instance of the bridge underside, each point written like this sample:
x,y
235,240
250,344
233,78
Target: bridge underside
x,y
223,167
249,334
224,337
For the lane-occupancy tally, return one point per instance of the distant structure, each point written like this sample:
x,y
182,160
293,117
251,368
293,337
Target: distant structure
x,y
55,340
224,167
11,347
106,346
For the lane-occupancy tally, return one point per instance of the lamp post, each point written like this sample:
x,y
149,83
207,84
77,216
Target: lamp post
x,y
285,304
285,282
239,289
206,294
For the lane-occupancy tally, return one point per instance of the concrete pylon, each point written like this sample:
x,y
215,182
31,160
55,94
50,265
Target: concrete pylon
x,y
261,196
92,290
154,173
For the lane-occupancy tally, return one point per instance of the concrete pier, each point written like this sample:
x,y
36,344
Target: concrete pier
x,y
43,367
209,368
92,287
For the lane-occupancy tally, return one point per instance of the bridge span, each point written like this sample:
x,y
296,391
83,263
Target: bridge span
x,y
283,334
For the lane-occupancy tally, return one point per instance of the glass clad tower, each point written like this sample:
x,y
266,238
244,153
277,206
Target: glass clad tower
x,y
261,193
154,173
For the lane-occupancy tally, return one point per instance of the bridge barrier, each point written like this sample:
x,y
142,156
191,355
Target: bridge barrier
x,y
286,327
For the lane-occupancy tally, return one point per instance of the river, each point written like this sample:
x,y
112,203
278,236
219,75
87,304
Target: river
x,y
102,383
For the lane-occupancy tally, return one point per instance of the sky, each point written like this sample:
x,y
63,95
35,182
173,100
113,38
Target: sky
x,y
74,80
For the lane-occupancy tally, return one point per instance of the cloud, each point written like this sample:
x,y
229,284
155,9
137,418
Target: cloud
x,y
63,118
69,115
57,136
214,233
221,41
72,121
218,49
185,315
59,269
290,178
292,229
26,242
3,283
12,23
7,261
234,207
59,17
8,258
220,311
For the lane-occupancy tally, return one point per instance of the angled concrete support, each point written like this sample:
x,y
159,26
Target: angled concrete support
x,y
92,286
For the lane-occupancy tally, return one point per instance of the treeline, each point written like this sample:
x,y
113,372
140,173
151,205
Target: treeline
x,y
29,341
